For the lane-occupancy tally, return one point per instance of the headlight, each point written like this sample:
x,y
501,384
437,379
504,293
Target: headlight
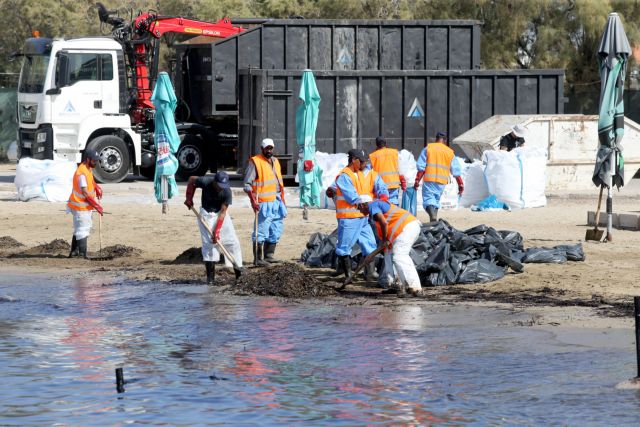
x,y
41,137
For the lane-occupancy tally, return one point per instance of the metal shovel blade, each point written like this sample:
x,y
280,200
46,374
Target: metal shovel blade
x,y
595,235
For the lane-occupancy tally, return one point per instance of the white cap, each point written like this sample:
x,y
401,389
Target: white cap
x,y
519,130
365,198
267,142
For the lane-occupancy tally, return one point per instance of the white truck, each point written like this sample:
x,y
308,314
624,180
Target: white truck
x,y
95,93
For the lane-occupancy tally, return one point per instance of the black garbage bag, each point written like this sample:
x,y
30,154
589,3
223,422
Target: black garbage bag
x,y
573,252
512,238
481,271
315,241
440,278
545,255
438,258
478,229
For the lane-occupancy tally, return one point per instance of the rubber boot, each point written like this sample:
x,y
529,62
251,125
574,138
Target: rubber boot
x,y
82,247
370,272
210,267
238,272
345,261
433,213
74,247
257,255
339,270
269,249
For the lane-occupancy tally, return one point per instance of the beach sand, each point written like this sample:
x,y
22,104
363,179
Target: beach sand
x,y
602,286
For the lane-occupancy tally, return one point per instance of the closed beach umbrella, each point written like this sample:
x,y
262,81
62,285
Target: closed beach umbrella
x,y
166,139
309,174
613,52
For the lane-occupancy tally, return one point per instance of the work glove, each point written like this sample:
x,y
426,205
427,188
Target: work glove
x,y
460,185
191,189
95,205
254,203
98,192
216,232
331,192
403,183
419,176
383,197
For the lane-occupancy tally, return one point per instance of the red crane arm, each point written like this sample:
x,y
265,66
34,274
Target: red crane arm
x,y
156,26
159,25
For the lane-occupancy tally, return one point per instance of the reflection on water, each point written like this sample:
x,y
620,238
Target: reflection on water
x,y
193,357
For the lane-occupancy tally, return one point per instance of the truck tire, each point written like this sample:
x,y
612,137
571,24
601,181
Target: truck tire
x,y
114,158
191,157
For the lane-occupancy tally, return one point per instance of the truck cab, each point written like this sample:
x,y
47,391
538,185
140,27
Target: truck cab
x,y
72,96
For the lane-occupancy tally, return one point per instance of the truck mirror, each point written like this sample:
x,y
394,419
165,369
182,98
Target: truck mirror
x,y
62,70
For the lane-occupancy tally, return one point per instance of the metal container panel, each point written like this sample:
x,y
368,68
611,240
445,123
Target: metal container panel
x,y
334,45
408,107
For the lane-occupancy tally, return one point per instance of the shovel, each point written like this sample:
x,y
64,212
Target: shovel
x,y
360,266
596,234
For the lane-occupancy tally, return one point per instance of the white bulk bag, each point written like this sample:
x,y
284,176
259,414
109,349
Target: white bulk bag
x,y
503,173
475,186
46,180
534,166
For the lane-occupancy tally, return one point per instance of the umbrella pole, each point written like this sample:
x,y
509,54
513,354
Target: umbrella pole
x,y
612,171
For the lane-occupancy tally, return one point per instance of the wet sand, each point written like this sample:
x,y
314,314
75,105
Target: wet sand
x,y
602,287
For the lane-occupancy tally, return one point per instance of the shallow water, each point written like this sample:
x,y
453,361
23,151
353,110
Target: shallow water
x,y
192,357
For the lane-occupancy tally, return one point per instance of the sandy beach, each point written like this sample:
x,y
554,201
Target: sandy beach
x,y
603,285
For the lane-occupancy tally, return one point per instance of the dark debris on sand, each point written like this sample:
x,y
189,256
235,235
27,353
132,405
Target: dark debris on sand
x,y
282,280
55,246
190,256
118,251
8,242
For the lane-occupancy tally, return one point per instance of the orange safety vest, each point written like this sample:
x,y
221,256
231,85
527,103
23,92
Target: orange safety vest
x,y
266,183
439,158
77,201
343,208
385,162
397,218
368,182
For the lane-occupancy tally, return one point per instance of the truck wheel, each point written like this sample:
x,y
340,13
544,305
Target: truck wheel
x,y
114,158
191,157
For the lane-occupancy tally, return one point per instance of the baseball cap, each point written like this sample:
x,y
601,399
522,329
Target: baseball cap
x,y
222,179
267,142
441,135
91,154
358,154
519,130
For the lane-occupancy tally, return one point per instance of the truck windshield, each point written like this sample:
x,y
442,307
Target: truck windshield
x,y
33,73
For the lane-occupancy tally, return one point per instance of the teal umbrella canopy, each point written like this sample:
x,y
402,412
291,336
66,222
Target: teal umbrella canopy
x,y
613,53
309,174
166,138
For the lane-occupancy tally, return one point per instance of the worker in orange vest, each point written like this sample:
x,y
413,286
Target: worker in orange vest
x,y
398,230
435,164
82,202
263,184
384,160
352,189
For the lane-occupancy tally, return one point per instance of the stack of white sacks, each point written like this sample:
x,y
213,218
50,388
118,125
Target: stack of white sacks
x,y
44,180
515,177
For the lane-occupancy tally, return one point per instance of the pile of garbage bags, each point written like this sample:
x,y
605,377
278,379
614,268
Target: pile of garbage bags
x,y
444,255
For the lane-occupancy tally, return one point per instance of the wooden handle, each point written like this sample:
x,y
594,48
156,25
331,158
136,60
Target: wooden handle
x,y
220,246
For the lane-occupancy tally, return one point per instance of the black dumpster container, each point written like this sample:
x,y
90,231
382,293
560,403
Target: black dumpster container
x,y
207,72
407,107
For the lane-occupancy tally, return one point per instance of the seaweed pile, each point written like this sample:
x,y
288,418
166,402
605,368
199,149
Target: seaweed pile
x,y
282,280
